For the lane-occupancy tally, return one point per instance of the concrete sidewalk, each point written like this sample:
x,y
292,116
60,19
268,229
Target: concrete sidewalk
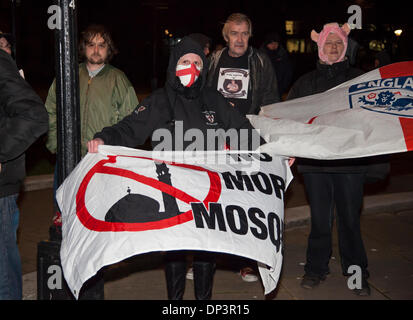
x,y
387,226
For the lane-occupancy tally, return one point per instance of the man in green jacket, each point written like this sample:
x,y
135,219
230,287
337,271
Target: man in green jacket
x,y
106,94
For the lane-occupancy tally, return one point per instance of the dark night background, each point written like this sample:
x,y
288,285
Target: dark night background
x,y
138,29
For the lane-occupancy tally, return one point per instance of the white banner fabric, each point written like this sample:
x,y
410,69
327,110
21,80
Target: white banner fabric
x,y
369,115
121,202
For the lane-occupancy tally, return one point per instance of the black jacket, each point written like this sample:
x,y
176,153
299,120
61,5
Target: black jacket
x,y
23,118
282,67
197,107
263,81
323,78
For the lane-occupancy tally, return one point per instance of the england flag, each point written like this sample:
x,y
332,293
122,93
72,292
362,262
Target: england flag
x,y
366,116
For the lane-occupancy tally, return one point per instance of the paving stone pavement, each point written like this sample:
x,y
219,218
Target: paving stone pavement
x,y
387,228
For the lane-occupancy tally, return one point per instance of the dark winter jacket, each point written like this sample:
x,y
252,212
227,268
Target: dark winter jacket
x,y
323,78
263,81
282,67
197,107
23,118
280,62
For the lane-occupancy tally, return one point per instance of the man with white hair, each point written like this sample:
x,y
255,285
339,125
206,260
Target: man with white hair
x,y
246,78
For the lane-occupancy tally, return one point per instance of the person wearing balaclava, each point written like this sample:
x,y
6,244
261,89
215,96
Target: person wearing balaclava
x,y
184,99
332,184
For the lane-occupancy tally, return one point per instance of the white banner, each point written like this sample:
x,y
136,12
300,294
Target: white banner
x,y
121,202
369,115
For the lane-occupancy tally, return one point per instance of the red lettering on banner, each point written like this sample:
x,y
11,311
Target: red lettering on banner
x,y
400,69
407,127
312,120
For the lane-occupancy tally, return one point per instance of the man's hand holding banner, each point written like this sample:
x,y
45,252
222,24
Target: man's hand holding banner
x,y
121,202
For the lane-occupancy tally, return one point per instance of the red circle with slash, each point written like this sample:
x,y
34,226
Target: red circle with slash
x,y
99,225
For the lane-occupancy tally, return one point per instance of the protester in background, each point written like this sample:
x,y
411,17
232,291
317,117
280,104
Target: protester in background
x,y
7,44
381,59
280,61
218,47
352,51
106,94
184,98
245,77
203,41
23,119
332,183
250,69
6,41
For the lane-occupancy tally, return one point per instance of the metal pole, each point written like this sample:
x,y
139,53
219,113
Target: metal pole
x,y
68,144
68,114
67,92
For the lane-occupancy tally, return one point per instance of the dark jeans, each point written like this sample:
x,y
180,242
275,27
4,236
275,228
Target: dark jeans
x,y
10,263
175,271
343,191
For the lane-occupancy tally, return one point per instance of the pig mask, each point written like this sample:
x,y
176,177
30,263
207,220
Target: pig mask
x,y
320,39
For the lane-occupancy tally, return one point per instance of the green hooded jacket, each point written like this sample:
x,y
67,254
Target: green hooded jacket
x,y
104,100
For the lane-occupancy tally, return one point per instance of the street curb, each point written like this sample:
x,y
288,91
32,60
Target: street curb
x,y
390,203
39,182
30,286
293,217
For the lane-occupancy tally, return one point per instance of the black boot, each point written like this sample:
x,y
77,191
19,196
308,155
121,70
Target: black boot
x,y
175,271
203,279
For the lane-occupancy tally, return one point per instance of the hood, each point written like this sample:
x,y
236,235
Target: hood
x,y
320,39
186,45
271,37
202,39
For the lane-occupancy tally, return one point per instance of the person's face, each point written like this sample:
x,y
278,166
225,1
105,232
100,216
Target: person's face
x,y
188,68
272,46
96,51
206,50
190,58
5,45
333,47
237,38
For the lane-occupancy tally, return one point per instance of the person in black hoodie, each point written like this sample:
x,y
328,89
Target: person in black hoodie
x,y
203,40
332,183
23,118
280,61
184,99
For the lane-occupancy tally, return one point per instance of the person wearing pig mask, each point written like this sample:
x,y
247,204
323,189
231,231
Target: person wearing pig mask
x,y
332,184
